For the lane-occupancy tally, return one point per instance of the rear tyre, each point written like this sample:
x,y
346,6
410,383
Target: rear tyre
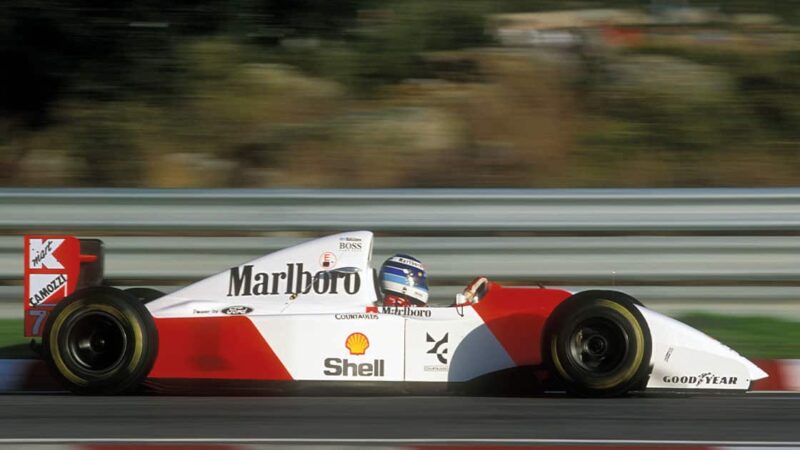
x,y
598,344
143,294
100,341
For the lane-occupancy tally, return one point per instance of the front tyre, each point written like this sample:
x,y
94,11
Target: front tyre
x,y
598,344
100,340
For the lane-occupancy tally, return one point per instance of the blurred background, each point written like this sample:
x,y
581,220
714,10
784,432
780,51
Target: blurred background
x,y
398,93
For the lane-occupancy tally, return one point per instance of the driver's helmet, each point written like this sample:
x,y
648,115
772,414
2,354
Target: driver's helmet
x,y
404,276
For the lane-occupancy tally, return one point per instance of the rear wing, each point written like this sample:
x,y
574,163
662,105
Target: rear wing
x,y
55,267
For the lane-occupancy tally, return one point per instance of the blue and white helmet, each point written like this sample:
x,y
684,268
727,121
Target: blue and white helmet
x,y
404,275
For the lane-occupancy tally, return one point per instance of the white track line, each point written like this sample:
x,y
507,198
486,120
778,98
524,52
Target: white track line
x,y
394,441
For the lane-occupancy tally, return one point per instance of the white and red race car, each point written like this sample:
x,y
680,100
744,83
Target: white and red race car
x,y
310,315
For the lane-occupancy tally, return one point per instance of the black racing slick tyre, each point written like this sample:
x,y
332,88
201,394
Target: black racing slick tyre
x,y
100,341
143,294
598,344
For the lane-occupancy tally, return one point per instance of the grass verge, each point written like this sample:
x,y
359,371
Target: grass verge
x,y
752,337
13,345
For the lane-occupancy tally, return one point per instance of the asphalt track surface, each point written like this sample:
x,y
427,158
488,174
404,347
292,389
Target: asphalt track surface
x,y
750,418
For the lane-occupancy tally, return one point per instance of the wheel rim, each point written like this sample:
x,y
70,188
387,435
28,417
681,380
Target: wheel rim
x,y
598,345
96,341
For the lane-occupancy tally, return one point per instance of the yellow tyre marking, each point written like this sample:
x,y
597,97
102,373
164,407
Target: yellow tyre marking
x,y
556,361
138,343
631,371
55,351
639,338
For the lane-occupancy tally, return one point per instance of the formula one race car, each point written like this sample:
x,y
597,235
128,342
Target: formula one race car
x,y
311,315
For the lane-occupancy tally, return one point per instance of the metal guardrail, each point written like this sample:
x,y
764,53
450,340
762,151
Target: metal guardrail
x,y
445,211
674,245
637,260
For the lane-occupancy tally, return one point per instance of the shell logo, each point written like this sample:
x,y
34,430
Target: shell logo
x,y
357,343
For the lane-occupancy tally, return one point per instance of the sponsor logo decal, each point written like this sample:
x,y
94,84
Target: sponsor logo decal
x,y
704,379
338,367
243,281
408,262
356,316
41,254
237,310
439,347
406,311
51,269
357,344
43,286
327,260
439,350
350,244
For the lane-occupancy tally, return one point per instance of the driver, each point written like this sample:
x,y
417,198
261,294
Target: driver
x,y
403,282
